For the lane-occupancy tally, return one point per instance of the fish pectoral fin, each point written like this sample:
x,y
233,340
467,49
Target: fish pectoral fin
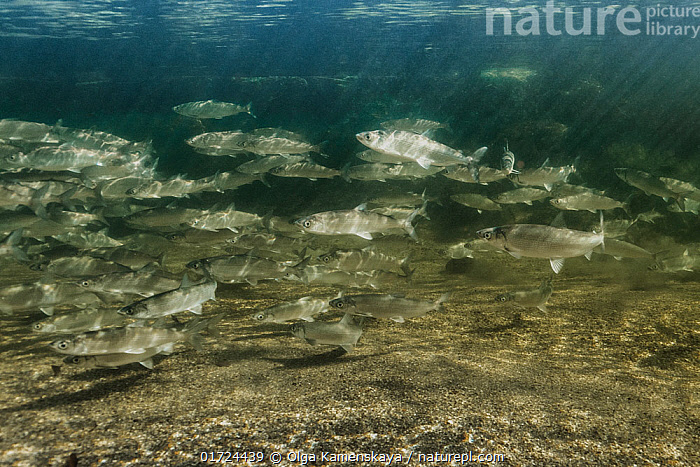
x,y
398,319
423,162
542,308
557,264
311,341
196,309
148,363
252,281
135,351
48,310
348,347
365,235
588,255
514,254
548,186
529,203
308,319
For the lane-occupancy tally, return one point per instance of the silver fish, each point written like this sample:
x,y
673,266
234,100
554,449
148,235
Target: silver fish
x,y
44,296
650,185
27,132
168,216
234,140
130,258
667,261
115,360
144,282
304,308
531,298
81,266
547,177
464,174
88,239
59,158
321,275
304,169
476,201
266,163
370,155
356,221
243,269
619,249
411,171
229,218
366,259
133,339
544,241
415,125
187,297
521,195
406,146
458,251
89,319
212,109
394,307
587,202
508,161
344,333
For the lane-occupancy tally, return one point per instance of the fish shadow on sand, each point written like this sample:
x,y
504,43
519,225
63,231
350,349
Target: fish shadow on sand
x,y
516,323
332,357
96,392
667,357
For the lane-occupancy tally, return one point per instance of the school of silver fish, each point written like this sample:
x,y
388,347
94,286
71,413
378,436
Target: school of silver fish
x,y
91,212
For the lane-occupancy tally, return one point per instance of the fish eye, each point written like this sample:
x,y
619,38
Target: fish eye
x,y
127,311
260,316
85,283
307,224
11,157
38,326
75,360
326,259
241,144
63,345
487,235
131,191
339,305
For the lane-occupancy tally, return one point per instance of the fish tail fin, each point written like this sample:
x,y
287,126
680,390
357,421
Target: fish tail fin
x,y
444,298
12,240
409,275
344,173
408,226
405,267
197,325
681,201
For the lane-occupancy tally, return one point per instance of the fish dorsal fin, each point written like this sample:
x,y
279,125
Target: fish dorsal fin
x,y
360,207
545,163
589,255
348,347
557,264
559,221
398,319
